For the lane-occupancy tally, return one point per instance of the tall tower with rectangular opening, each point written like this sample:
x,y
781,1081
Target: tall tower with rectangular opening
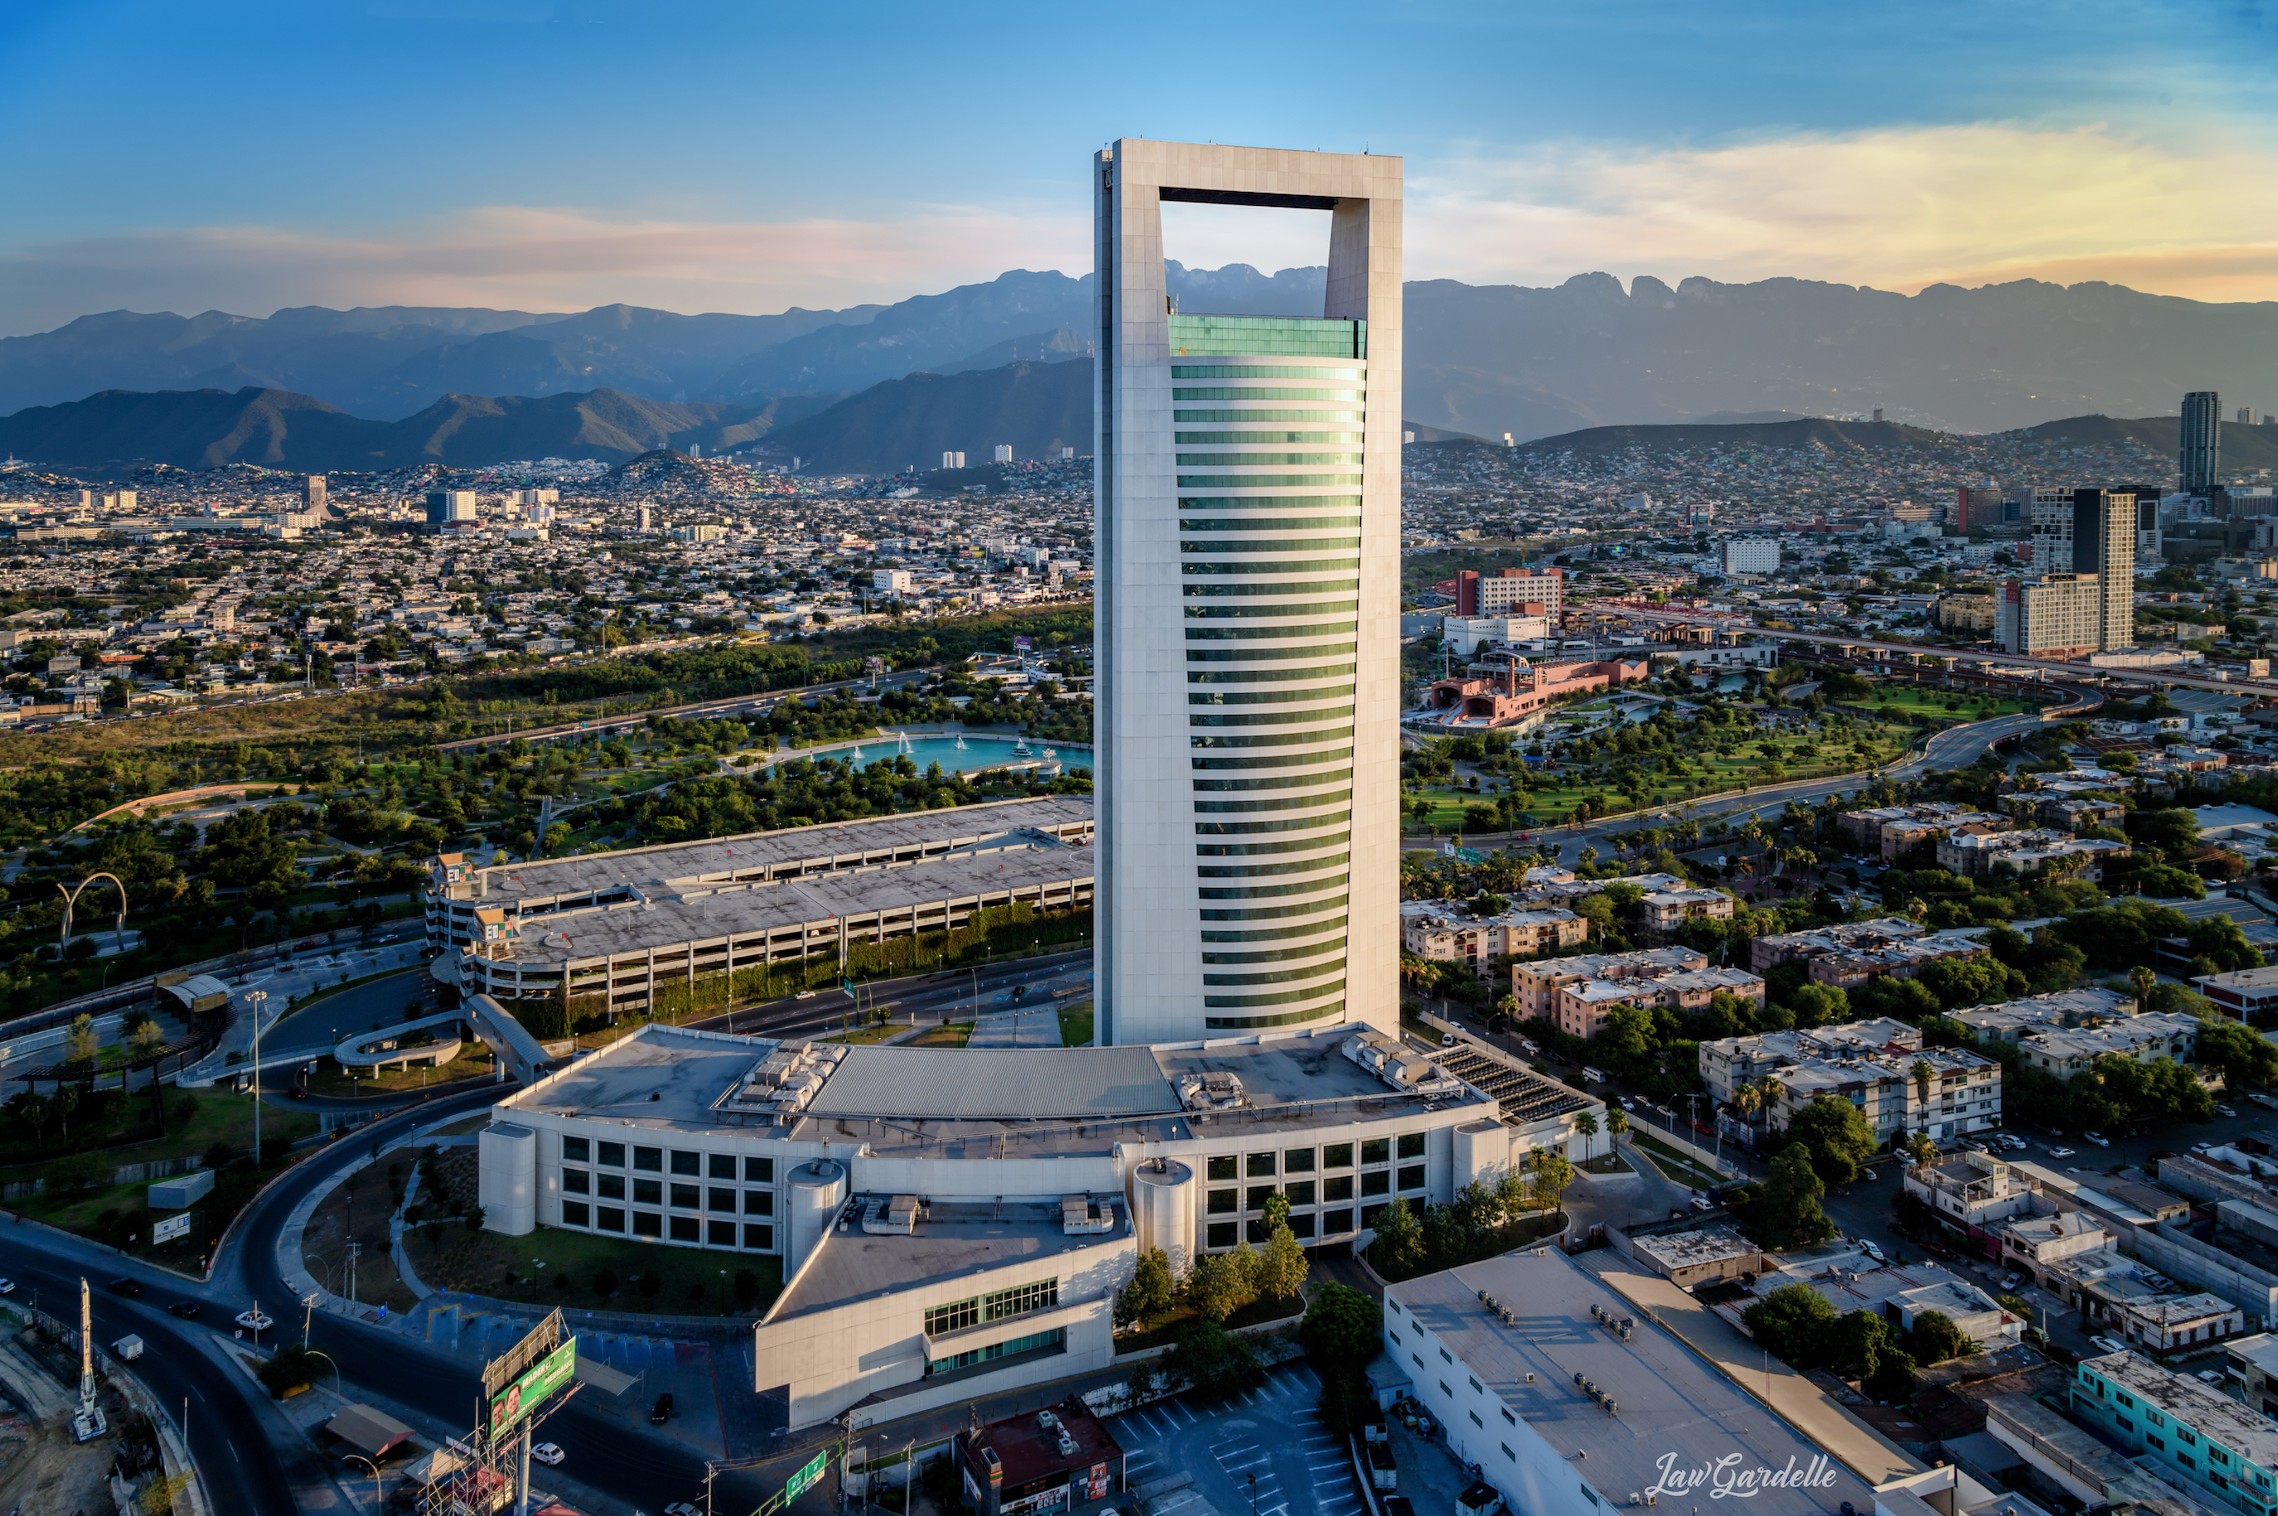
x,y
1247,522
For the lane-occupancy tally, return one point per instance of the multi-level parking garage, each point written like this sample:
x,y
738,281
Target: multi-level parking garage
x,y
612,927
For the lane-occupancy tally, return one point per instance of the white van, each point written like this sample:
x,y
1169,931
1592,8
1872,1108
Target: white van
x,y
1592,1076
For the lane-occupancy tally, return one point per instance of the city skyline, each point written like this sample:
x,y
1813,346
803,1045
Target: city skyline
x,y
757,172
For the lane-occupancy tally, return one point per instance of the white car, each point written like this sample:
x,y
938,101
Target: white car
x,y
2202,1147
681,1508
2109,1344
1868,1247
2060,1152
2210,1376
254,1321
7,1286
2098,1138
549,1453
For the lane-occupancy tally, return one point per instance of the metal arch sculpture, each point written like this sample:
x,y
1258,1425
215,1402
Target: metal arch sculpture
x,y
71,898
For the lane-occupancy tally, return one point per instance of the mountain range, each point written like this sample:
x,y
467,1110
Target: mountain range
x,y
900,424
1480,359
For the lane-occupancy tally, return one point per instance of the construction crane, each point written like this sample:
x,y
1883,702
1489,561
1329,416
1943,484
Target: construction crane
x,y
87,1422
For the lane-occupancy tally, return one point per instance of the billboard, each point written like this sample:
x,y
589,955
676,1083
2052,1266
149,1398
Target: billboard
x,y
170,1228
546,1377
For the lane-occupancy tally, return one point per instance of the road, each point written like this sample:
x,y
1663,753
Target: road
x,y
2059,667
732,705
1954,747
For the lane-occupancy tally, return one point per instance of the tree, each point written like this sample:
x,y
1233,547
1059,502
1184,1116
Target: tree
x,y
1219,1284
1213,1362
1275,1212
2247,1059
1934,1338
1791,1323
1149,1293
80,1044
1835,1134
1586,1126
1617,1122
1343,1328
1788,1212
1552,1174
1282,1266
1399,1244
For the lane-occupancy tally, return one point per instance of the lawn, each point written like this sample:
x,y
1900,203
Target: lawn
x,y
1713,774
1911,700
953,1034
1673,1163
1076,1025
330,1079
118,1215
553,1267
878,1031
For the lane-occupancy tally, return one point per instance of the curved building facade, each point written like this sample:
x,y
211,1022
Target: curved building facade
x,y
1248,519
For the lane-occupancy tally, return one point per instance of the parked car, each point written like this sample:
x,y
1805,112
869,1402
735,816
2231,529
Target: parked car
x,y
682,1508
661,1412
1592,1076
1447,1039
2202,1147
2109,1344
186,1309
2210,1376
7,1286
2060,1152
252,1321
549,1453
2098,1138
2224,1110
2011,1282
1868,1246
131,1288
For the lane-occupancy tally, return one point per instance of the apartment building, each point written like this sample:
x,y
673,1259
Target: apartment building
x,y
1731,1062
1581,1010
1889,830
2012,1020
2186,1431
1435,931
2066,1051
1943,1092
1980,849
1850,953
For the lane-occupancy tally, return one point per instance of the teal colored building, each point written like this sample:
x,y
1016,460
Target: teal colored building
x,y
2194,1433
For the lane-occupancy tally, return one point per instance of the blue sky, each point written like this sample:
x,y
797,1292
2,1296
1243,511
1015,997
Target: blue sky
x,y
553,154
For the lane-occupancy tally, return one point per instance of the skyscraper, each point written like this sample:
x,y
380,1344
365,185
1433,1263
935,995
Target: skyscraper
x,y
2104,544
1247,500
312,494
2202,453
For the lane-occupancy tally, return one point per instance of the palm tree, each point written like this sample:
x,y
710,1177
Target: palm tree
x,y
2143,979
1746,1102
1617,1122
1587,1125
1921,1149
1922,1073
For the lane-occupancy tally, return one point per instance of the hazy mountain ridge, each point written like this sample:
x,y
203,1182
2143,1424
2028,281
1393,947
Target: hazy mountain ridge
x,y
1480,359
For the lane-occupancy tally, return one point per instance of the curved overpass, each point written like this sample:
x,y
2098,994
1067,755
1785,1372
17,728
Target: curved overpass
x,y
522,1055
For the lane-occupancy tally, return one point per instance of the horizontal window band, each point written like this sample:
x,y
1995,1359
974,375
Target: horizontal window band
x,y
1313,973
1262,413
1270,676
1308,630
1352,500
1269,697
1336,839
1284,824
1262,481
1301,607
1334,926
1259,1023
1262,371
1234,587
1268,891
1319,768
1262,439
1285,997
1217,718
1275,955
1274,913
1221,547
1266,392
1274,739
1268,565
1264,805
1264,654
1265,460
1272,870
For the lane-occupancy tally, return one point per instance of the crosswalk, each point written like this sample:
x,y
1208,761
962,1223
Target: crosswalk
x,y
1266,1450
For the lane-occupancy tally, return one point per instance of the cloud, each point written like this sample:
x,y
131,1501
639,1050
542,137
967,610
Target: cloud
x,y
538,258
1897,209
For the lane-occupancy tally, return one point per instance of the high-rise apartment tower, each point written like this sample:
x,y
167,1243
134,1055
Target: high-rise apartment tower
x,y
2104,544
2202,452
1247,488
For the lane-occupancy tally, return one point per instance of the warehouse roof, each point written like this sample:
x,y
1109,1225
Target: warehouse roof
x,y
1008,1083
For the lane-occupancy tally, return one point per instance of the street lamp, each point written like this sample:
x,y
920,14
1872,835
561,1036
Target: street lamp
x,y
256,999
378,1503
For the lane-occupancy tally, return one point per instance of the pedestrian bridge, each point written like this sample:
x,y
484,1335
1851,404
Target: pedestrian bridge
x,y
521,1054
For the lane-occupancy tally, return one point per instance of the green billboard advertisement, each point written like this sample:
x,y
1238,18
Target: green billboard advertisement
x,y
544,1378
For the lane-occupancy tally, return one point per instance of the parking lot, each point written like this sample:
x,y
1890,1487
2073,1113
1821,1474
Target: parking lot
x,y
1267,1446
